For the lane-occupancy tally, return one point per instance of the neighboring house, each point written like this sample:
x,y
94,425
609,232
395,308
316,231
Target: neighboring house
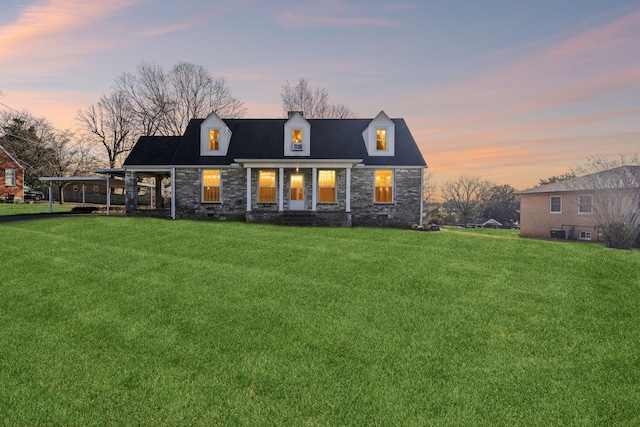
x,y
563,210
316,171
11,177
484,223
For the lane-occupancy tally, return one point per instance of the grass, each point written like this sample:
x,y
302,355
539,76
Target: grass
x,y
132,321
32,208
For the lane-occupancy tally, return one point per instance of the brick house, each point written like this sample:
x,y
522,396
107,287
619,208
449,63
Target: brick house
x,y
565,209
11,177
286,171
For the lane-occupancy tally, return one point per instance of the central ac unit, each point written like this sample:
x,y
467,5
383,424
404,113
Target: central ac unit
x,y
557,233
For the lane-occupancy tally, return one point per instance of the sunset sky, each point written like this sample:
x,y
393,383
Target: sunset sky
x,y
510,90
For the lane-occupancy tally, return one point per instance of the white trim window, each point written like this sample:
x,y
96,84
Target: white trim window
x,y
9,177
555,204
211,186
585,205
326,186
384,186
585,235
266,186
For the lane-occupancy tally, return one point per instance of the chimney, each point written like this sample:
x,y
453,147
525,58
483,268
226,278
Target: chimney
x,y
291,113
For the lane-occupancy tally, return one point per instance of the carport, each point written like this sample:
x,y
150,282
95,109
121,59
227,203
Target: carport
x,y
109,182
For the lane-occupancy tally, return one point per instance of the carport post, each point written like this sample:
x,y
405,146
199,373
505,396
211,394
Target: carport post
x,y
108,194
50,196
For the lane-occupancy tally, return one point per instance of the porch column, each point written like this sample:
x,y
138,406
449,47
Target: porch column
x,y
314,189
130,191
248,189
83,193
173,193
50,196
281,190
348,196
158,179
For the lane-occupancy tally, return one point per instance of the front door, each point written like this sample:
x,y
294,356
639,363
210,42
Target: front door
x,y
296,192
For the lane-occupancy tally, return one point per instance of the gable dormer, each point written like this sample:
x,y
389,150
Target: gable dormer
x,y
297,136
380,136
214,136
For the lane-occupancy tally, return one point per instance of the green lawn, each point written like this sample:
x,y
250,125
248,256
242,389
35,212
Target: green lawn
x,y
32,208
134,321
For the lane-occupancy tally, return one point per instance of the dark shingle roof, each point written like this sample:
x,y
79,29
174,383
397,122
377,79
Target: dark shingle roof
x,y
153,151
331,139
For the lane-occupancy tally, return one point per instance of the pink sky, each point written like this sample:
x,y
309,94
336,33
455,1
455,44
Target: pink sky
x,y
512,93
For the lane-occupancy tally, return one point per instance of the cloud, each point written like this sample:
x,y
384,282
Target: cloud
x,y
331,13
46,26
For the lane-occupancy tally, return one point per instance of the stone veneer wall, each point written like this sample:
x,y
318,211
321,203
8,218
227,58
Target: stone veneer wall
x,y
403,212
188,187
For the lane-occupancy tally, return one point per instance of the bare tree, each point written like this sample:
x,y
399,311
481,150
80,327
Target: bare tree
x,y
429,188
164,102
465,195
111,123
614,187
314,103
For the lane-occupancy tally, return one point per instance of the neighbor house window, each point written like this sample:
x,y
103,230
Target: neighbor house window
x,y
381,139
326,186
75,188
95,189
585,204
214,139
211,185
384,186
266,186
9,177
556,204
585,235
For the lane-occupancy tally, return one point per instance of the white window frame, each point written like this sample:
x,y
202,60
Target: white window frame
x,y
393,186
335,186
219,201
590,211
9,177
584,235
551,205
275,198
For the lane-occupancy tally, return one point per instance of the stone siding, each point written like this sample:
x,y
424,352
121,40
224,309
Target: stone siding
x,y
402,212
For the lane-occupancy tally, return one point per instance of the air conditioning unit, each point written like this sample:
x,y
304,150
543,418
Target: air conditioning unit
x,y
557,233
296,146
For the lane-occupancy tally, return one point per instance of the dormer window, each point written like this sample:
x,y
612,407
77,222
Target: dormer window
x,y
296,139
381,139
214,139
215,136
297,136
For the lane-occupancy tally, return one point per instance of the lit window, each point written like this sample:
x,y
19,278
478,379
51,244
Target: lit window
x,y
327,186
296,136
9,177
556,204
384,186
266,186
214,139
381,139
211,185
585,204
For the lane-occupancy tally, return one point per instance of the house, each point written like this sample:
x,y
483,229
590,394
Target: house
x,y
11,177
286,171
565,209
484,223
